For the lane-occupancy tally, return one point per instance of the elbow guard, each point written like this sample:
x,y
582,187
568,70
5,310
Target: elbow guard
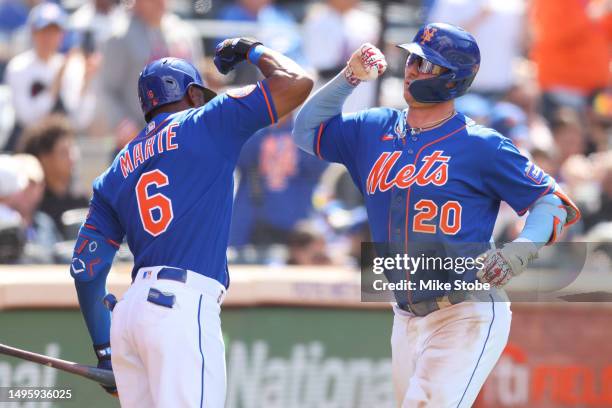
x,y
93,255
573,213
547,206
562,209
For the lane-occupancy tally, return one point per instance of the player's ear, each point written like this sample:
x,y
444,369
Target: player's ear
x,y
195,97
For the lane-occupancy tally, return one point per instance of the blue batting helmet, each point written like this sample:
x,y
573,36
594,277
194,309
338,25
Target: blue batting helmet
x,y
450,47
165,81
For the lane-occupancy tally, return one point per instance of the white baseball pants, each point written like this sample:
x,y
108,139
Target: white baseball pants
x,y
169,357
442,360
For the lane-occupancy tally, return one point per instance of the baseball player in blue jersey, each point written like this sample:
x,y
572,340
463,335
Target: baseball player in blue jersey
x,y
169,194
430,174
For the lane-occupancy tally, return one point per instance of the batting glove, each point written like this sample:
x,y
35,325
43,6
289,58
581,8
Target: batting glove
x,y
103,352
367,63
501,265
231,52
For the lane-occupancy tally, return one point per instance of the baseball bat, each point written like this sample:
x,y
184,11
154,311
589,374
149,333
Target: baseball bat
x,y
104,377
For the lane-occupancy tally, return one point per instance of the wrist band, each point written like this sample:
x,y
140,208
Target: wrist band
x,y
103,351
350,78
255,54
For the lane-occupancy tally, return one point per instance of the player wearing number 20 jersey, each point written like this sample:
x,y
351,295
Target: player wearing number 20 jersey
x,y
169,191
433,180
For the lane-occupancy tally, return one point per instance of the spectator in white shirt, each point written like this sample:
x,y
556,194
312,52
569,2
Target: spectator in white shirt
x,y
43,81
332,30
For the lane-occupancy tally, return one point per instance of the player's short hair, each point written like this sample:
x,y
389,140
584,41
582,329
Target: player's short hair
x,y
41,138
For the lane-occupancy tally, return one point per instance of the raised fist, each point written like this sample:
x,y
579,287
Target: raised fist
x,y
231,52
366,63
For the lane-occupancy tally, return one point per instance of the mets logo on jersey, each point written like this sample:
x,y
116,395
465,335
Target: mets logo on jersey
x,y
428,35
534,173
434,170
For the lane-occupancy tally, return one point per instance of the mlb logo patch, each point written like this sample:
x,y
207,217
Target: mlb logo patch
x,y
534,173
146,275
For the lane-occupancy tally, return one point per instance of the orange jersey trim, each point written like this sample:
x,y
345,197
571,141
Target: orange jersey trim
x,y
268,105
318,149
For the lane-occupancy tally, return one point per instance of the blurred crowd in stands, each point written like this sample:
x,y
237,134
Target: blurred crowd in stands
x,y
68,74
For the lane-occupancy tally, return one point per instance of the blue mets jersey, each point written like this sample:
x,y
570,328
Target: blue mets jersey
x,y
276,184
439,186
169,191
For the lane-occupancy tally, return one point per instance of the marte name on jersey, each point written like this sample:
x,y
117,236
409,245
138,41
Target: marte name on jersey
x,y
151,145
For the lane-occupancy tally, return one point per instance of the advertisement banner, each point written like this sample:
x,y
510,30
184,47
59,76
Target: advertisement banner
x,y
290,357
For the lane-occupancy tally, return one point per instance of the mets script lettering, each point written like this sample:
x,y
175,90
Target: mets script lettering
x,y
428,173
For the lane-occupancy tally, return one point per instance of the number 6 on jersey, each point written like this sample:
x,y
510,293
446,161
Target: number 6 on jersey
x,y
147,204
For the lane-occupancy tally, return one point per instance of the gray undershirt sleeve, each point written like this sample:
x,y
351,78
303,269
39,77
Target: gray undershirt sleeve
x,y
324,104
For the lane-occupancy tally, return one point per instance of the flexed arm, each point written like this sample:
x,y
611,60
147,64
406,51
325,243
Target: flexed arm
x,y
366,63
289,84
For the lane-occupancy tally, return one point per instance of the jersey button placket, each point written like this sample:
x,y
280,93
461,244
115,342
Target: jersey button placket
x,y
396,215
397,208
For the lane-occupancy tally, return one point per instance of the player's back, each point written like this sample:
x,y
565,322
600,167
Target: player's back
x,y
171,189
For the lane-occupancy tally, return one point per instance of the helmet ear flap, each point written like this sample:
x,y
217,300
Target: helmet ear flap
x,y
435,89
441,88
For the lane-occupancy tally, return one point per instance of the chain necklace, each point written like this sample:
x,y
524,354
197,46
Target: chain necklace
x,y
402,130
430,125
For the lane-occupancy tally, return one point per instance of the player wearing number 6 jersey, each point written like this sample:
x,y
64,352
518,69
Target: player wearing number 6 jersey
x,y
169,193
430,175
